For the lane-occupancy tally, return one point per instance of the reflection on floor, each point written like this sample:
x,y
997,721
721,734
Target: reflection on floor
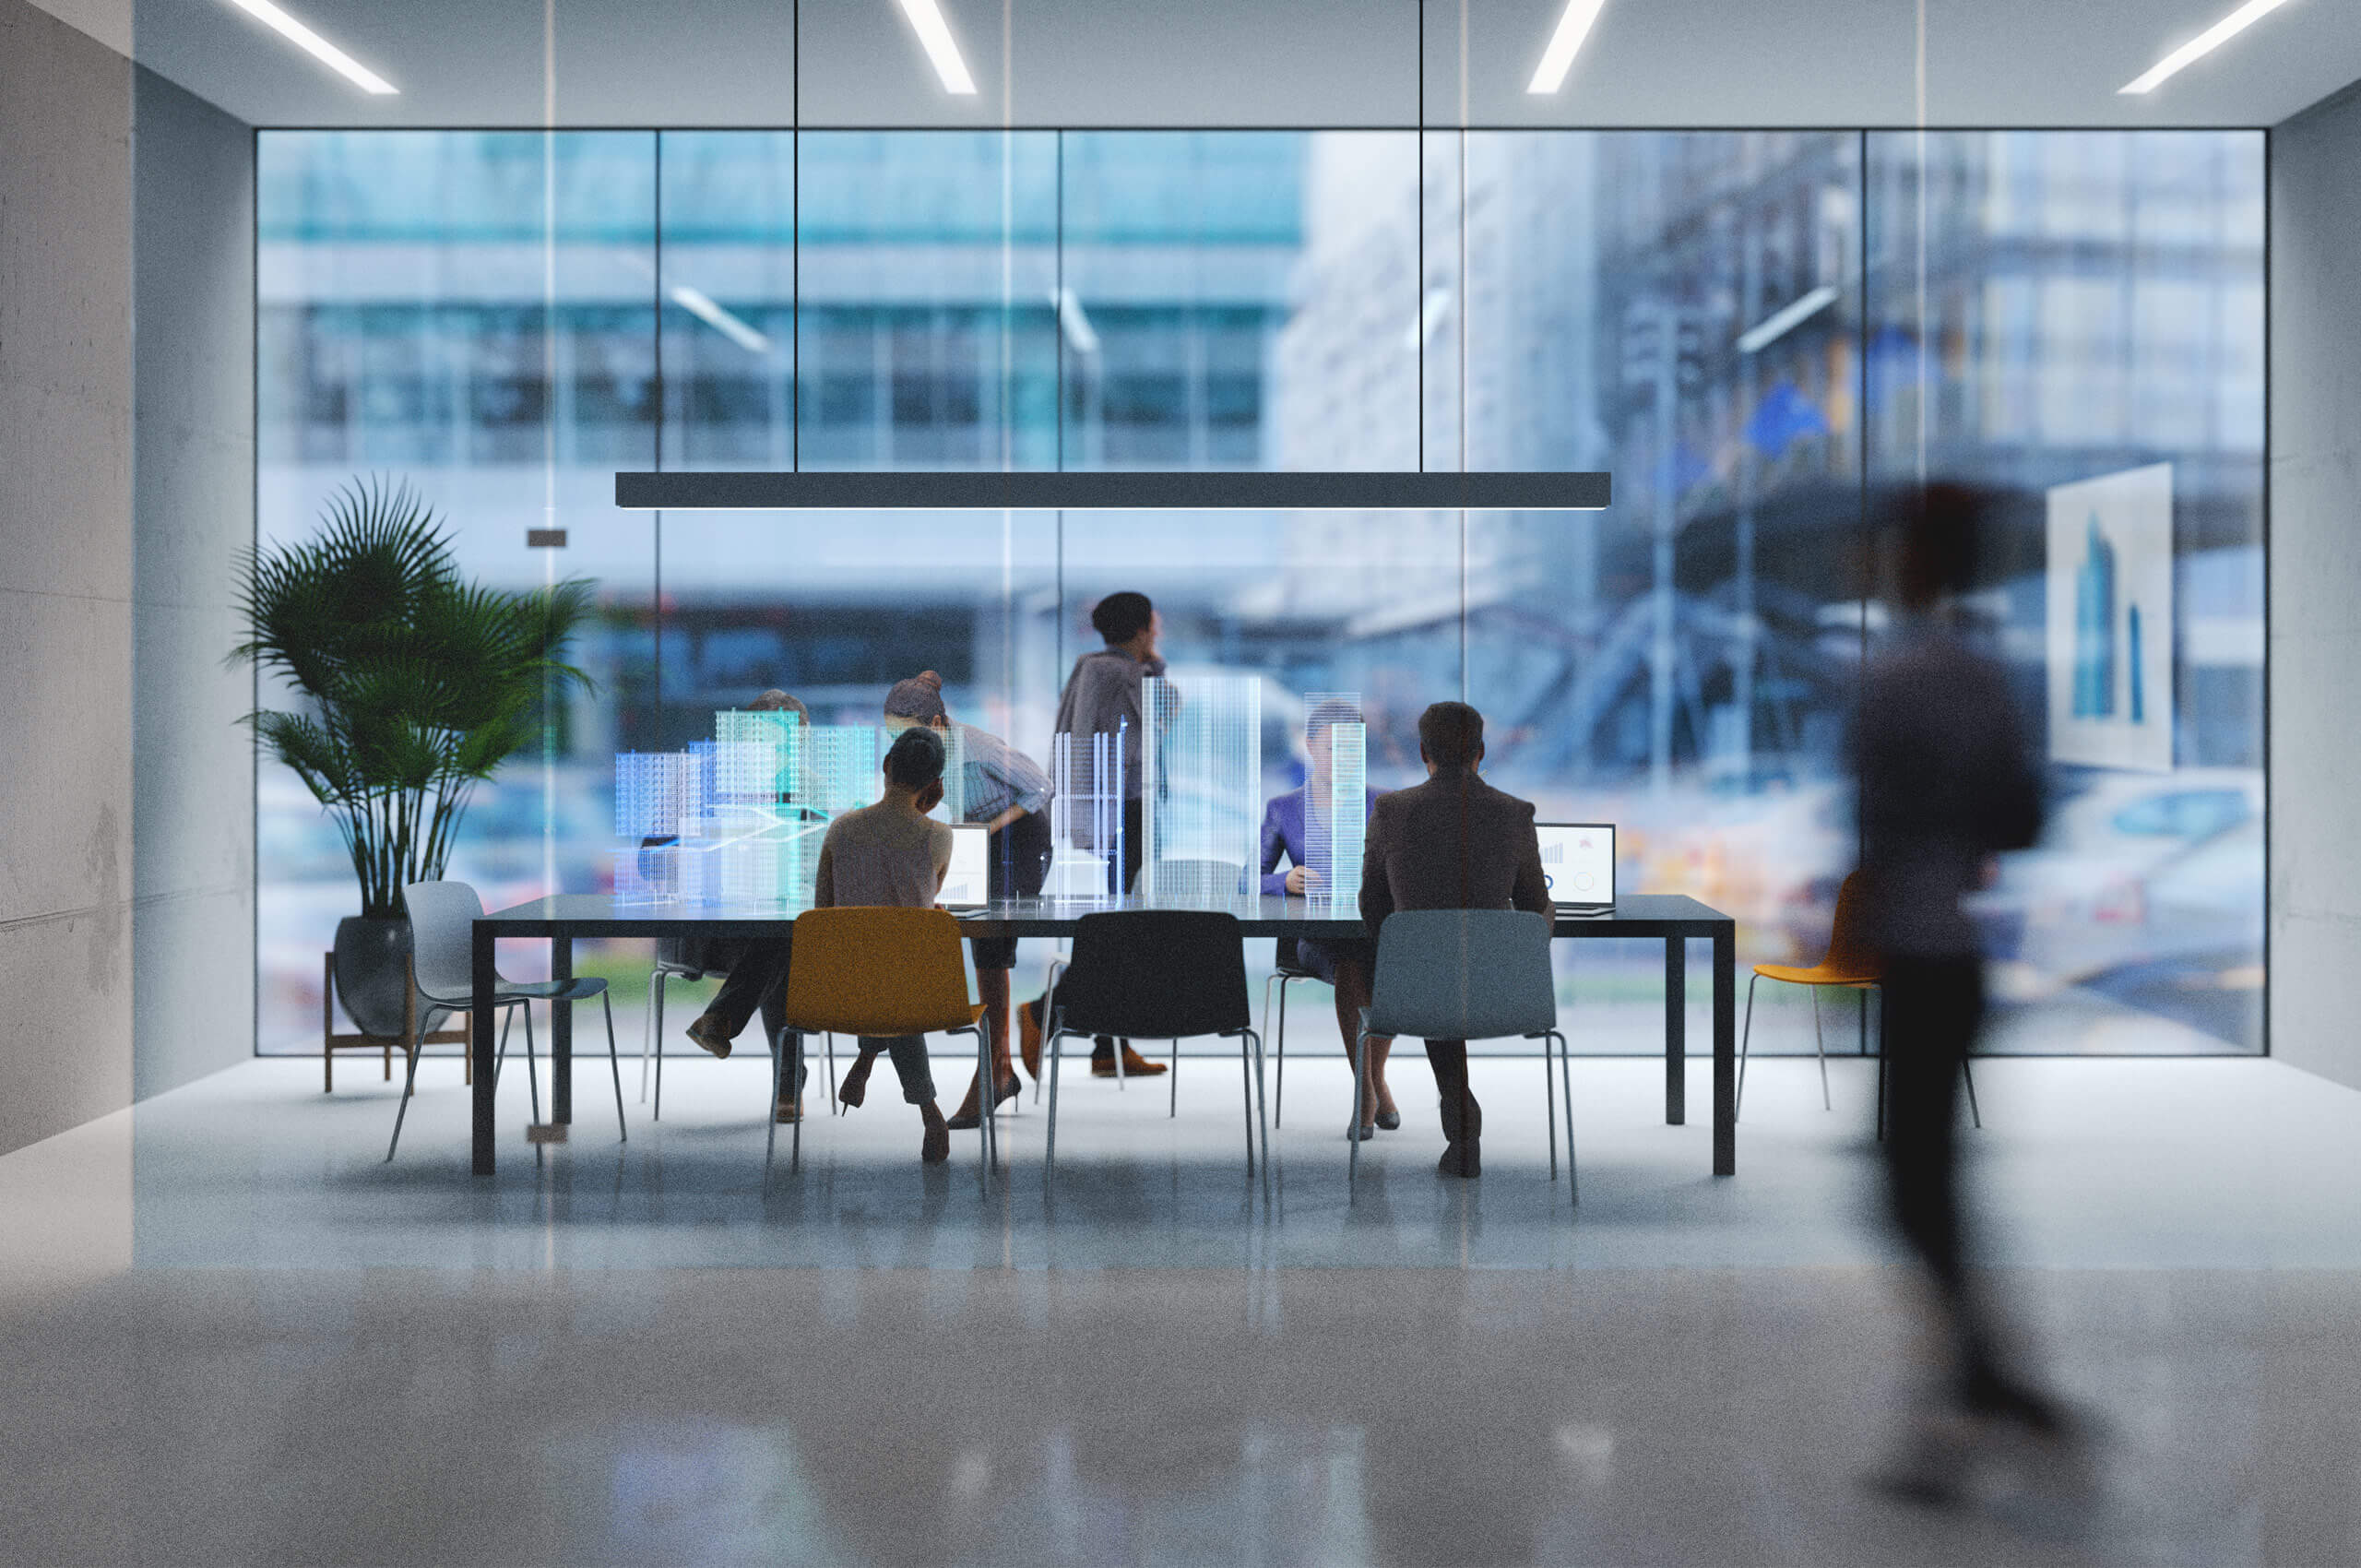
x,y
237,1336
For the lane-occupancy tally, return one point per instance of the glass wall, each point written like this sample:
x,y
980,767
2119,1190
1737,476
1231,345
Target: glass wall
x,y
1756,333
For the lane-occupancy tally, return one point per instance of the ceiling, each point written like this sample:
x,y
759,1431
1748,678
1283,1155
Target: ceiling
x,y
1214,63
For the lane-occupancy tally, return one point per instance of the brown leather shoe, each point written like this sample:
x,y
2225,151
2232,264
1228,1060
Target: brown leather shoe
x,y
1134,1065
706,1029
1029,1037
790,1110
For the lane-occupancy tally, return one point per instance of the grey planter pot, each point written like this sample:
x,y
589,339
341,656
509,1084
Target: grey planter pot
x,y
372,968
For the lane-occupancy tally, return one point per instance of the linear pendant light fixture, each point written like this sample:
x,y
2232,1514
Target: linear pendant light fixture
x,y
941,49
318,48
1102,490
2204,43
1559,57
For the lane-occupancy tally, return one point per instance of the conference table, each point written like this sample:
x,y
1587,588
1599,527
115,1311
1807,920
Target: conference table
x,y
567,918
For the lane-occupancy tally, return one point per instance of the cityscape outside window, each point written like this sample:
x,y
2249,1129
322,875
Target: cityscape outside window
x,y
1754,332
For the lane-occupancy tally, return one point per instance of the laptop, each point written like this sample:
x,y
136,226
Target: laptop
x,y
966,884
1578,861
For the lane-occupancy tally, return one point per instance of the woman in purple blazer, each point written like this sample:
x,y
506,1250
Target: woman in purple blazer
x,y
1345,964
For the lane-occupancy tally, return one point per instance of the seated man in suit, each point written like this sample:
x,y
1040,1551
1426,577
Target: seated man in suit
x,y
1452,843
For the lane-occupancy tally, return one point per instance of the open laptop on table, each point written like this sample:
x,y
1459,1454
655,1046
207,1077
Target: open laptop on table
x,y
1578,859
966,884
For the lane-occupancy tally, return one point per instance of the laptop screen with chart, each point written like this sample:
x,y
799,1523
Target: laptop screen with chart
x,y
966,884
1578,859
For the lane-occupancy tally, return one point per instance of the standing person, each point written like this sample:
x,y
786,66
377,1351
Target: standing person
x,y
894,854
1452,843
1945,783
752,969
1005,790
1344,963
1103,697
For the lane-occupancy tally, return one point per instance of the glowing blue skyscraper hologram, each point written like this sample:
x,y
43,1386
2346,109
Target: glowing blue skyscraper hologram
x,y
1201,760
1335,796
1085,815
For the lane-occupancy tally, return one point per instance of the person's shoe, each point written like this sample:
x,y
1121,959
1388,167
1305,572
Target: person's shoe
x,y
1135,1064
1453,1131
706,1029
1360,1134
968,1118
1463,1159
935,1148
1389,1121
789,1110
855,1087
1029,1037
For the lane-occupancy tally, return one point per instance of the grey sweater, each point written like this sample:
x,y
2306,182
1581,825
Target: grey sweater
x,y
1102,695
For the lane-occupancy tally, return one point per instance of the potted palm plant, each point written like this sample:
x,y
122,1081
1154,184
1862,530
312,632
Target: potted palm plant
x,y
415,686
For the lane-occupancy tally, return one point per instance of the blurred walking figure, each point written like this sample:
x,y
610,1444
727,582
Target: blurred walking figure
x,y
1945,784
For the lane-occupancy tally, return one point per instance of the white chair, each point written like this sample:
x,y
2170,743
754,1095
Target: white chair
x,y
441,922
1467,975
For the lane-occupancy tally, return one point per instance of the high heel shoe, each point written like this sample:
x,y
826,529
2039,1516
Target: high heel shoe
x,y
1389,1121
968,1121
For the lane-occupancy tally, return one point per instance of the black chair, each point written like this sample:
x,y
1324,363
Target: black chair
x,y
1285,970
1161,974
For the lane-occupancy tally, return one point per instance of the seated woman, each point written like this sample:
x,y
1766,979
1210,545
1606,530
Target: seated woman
x,y
893,853
1346,965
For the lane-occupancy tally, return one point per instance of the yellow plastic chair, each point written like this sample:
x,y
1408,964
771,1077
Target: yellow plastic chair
x,y
1852,964
878,971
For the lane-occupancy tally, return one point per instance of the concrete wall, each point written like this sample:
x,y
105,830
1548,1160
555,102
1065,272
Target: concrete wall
x,y
2315,564
65,577
193,771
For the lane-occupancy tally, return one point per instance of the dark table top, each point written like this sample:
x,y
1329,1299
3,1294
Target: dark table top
x,y
599,914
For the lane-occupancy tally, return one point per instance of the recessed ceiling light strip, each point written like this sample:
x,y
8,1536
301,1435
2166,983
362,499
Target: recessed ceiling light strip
x,y
318,48
941,49
1559,57
2204,43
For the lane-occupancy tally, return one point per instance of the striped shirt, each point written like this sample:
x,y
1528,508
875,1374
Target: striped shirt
x,y
997,776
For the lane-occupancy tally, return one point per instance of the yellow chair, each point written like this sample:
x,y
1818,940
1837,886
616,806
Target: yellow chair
x,y
1851,964
878,971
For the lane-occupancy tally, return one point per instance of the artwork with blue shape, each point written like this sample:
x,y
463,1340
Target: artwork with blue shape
x,y
2110,620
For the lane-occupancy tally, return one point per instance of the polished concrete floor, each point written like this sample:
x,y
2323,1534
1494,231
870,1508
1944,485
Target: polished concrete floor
x,y
237,1336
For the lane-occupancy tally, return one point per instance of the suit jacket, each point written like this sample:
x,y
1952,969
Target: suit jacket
x,y
1452,843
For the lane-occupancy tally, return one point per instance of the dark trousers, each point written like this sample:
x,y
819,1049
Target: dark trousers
x,y
1462,1118
755,978
1933,1009
1102,1047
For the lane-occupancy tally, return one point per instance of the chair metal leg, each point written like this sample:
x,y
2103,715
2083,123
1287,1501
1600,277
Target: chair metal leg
x,y
1969,1073
1049,990
1246,1081
408,1083
794,1057
532,1081
770,1122
986,1084
1820,1043
658,1114
828,1044
1050,1143
1173,1111
1566,1084
507,1017
1549,1105
1737,1101
647,1031
1280,1109
1360,1080
1262,1105
615,1066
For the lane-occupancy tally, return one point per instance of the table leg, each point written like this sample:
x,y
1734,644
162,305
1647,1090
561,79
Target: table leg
x,y
480,1046
1676,1030
1725,1050
561,1035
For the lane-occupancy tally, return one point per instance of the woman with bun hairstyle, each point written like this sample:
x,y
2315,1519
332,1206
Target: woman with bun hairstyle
x,y
1006,791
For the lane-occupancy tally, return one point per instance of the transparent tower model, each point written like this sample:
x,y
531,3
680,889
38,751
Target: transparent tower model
x,y
1200,774
1336,797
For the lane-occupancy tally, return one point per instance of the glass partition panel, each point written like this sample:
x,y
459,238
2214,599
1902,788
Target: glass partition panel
x,y
2073,323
